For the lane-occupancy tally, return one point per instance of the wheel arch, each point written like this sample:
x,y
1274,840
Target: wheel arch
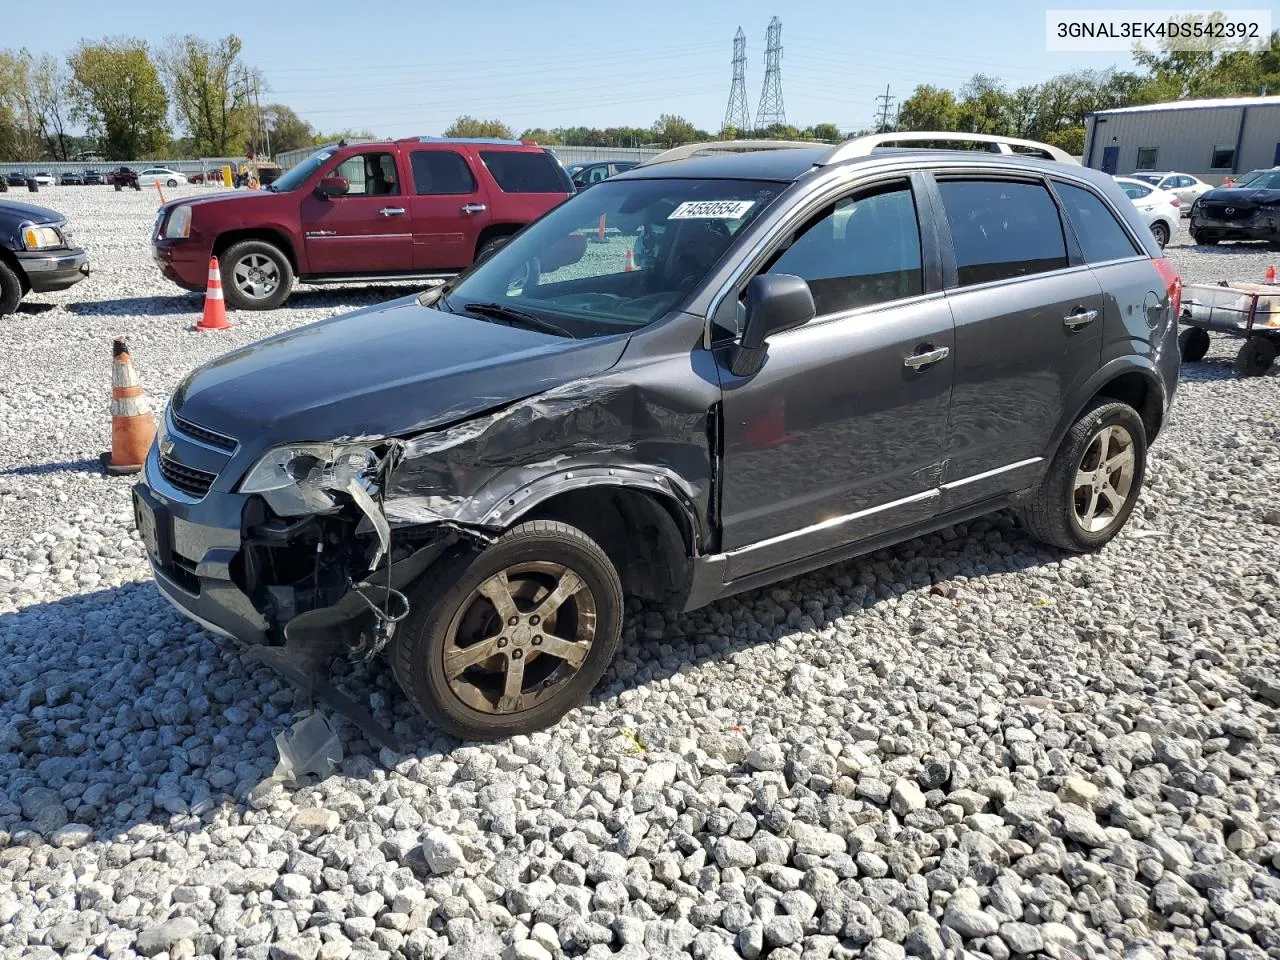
x,y
494,231
12,263
1131,380
272,235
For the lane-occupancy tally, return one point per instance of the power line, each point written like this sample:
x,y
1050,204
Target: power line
x,y
886,103
771,109
736,114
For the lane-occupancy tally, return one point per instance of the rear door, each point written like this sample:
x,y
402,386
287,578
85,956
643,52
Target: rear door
x,y
450,206
1028,332
368,229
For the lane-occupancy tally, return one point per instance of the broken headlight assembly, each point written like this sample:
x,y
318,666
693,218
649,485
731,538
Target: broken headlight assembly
x,y
302,478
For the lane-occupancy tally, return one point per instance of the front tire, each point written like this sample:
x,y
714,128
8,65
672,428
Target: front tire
x,y
1094,480
256,275
10,290
1193,344
1204,241
1161,233
508,640
174,183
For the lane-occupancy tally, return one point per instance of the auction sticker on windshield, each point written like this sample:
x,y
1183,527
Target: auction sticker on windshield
x,y
711,210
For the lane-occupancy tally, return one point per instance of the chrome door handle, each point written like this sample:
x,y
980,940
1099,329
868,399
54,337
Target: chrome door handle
x,y
474,208
391,211
1081,318
919,361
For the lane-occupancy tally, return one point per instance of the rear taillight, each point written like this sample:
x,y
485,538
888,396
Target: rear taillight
x,y
1172,285
1177,202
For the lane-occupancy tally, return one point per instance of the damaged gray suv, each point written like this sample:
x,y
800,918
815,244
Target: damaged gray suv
x,y
766,360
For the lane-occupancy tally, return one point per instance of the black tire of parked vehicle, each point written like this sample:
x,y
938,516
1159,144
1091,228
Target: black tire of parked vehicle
x,y
1193,344
490,247
1204,241
1051,515
255,251
174,183
449,589
118,186
10,289
1161,233
1256,356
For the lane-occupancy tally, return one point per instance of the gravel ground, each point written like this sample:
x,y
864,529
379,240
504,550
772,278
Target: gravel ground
x,y
969,746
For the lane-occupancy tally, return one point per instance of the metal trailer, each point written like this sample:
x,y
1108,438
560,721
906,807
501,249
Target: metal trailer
x,y
1248,311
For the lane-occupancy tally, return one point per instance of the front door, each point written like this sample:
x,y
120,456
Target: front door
x,y
841,433
367,230
1029,322
1110,159
449,209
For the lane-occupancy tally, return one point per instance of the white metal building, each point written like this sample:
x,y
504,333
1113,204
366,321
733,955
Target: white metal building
x,y
1210,139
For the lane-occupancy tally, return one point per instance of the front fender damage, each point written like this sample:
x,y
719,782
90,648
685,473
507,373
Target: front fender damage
x,y
460,486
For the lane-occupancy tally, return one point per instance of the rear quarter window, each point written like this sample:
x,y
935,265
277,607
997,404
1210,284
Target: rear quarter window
x,y
526,172
1100,234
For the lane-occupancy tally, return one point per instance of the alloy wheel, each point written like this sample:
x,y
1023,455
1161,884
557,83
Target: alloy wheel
x,y
1104,478
256,276
519,637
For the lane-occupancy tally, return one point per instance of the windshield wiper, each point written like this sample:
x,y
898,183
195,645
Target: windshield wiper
x,y
503,312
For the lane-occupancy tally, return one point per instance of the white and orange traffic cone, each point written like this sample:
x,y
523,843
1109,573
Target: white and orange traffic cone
x,y
159,191
629,265
132,427
215,308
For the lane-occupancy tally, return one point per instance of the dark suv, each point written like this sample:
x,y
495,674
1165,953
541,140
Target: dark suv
x,y
409,209
36,254
816,353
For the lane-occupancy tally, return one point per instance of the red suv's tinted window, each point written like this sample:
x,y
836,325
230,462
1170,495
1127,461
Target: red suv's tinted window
x,y
437,172
520,172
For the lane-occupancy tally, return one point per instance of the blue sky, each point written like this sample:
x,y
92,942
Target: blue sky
x,y
404,68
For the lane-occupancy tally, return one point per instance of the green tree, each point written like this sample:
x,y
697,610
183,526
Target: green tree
x,y
539,135
349,135
118,94
466,126
288,130
984,106
670,130
824,131
49,81
929,108
209,89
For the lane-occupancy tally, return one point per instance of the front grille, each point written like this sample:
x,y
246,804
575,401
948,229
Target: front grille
x,y
1239,211
203,434
187,479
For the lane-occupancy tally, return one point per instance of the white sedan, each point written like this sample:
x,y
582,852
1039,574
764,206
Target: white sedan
x,y
1186,187
44,179
1160,208
154,175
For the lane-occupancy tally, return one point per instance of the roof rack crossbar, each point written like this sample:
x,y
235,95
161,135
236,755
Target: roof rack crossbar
x,y
687,150
865,146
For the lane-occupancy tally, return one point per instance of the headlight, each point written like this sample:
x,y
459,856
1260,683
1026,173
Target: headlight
x,y
41,238
179,223
299,479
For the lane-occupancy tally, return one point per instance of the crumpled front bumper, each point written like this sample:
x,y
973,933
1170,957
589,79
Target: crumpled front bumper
x,y
55,269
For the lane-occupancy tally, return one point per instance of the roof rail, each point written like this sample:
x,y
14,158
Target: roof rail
x,y
684,151
493,141
864,146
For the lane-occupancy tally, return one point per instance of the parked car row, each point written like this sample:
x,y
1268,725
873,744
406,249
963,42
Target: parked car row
x,y
148,177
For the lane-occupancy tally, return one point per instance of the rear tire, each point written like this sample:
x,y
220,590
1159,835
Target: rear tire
x,y
1094,481
174,183
1193,344
490,696
256,275
490,247
1161,233
10,289
1256,357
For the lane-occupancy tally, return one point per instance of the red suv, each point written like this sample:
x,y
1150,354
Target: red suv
x,y
419,208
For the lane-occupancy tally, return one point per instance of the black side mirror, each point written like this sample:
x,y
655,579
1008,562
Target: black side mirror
x,y
333,186
775,302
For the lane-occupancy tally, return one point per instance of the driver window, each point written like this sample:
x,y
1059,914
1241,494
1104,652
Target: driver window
x,y
370,175
860,251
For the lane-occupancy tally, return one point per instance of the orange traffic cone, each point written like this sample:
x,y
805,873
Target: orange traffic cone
x,y
159,191
1270,275
629,265
601,228
132,427
215,309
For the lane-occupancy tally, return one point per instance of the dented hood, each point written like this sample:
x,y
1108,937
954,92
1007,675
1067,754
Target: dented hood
x,y
390,370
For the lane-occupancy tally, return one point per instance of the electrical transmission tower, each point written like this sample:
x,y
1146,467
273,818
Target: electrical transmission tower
x,y
771,110
886,104
736,114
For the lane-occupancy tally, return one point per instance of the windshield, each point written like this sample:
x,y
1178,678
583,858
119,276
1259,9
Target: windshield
x,y
1269,180
660,238
293,179
1147,178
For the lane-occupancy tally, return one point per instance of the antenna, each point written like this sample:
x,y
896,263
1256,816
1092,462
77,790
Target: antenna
x,y
771,109
736,114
